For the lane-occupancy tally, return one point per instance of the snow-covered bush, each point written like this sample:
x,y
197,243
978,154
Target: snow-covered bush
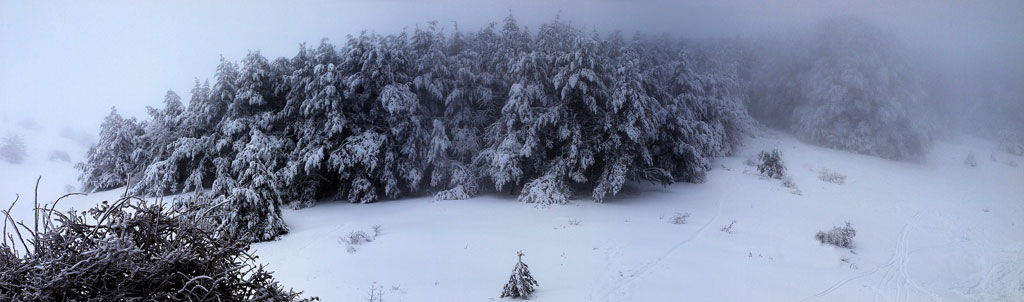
x,y
356,238
521,284
12,149
770,164
827,175
971,161
838,236
131,250
679,218
58,155
728,229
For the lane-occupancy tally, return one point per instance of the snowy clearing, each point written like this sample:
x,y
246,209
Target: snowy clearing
x,y
938,231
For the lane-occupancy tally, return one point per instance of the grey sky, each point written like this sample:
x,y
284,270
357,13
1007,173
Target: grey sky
x,y
70,61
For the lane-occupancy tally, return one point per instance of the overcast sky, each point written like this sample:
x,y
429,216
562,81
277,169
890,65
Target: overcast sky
x,y
69,62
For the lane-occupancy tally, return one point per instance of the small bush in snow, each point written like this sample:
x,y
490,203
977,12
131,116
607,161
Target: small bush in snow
x,y
358,237
789,183
679,218
57,155
575,222
970,160
521,283
770,164
827,175
838,236
728,228
12,149
376,293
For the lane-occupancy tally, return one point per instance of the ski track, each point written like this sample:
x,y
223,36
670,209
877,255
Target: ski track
x,y
895,274
643,270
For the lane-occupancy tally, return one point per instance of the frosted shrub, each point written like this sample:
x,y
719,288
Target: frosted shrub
x,y
137,251
679,218
58,155
838,236
728,229
770,164
12,149
971,160
830,176
356,238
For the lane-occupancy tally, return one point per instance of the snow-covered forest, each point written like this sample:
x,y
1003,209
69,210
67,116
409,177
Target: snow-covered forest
x,y
842,158
547,116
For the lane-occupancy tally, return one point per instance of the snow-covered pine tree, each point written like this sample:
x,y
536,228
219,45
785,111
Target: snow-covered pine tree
x,y
627,127
511,140
109,163
160,175
254,201
521,284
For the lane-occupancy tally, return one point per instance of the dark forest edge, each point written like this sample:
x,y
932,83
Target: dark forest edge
x,y
543,115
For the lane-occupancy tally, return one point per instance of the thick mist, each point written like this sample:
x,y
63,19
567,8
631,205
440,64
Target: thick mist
x,y
67,63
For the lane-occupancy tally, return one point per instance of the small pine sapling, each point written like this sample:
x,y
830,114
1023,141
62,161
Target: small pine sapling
x,y
521,283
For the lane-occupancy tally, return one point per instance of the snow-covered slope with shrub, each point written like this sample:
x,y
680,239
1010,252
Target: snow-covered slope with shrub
x,y
939,230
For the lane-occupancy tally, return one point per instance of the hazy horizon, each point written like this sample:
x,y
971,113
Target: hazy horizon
x,y
67,63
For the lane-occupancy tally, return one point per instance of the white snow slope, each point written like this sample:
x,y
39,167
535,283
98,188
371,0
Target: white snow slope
x,y
933,231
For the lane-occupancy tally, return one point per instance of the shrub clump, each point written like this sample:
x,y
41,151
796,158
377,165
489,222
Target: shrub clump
x,y
838,236
830,176
770,164
58,155
130,250
679,218
358,237
12,149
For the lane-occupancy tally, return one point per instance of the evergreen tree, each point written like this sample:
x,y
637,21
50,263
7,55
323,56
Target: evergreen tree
x,y
109,163
521,283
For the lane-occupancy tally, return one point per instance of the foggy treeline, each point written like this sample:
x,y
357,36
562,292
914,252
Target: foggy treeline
x,y
547,115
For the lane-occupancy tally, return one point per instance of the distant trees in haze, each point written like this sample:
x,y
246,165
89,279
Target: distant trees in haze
x,y
845,84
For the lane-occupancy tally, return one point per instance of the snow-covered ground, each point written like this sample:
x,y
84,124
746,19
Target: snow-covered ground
x,y
938,230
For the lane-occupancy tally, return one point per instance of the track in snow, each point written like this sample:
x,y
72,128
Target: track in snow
x,y
647,267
